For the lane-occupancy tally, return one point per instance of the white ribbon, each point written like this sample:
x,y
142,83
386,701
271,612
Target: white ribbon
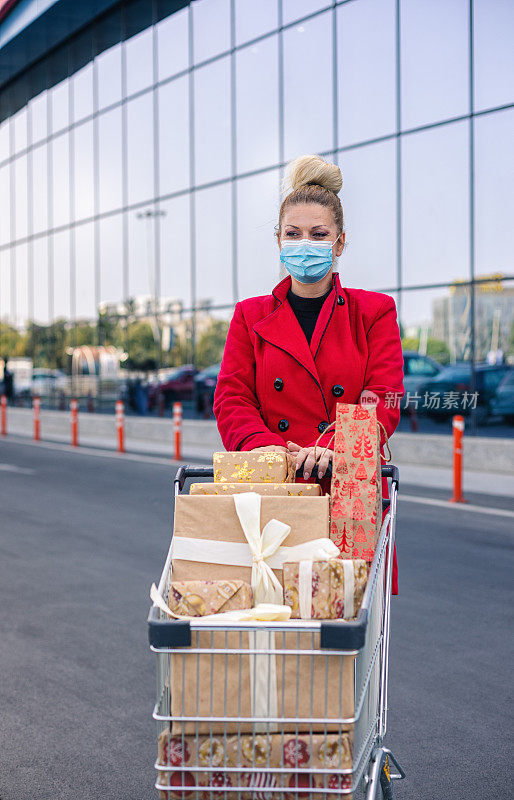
x,y
264,612
349,588
265,585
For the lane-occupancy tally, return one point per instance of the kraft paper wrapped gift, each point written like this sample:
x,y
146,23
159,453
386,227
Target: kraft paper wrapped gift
x,y
260,679
209,542
356,492
274,489
200,598
325,589
298,754
254,467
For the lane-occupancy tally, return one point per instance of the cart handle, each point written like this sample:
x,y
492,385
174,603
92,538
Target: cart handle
x,y
187,471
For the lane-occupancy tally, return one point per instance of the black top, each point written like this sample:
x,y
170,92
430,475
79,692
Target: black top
x,y
307,310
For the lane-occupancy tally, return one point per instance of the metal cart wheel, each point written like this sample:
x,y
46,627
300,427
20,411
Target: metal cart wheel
x,y
386,783
379,782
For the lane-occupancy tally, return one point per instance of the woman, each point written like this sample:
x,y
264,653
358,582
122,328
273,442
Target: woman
x,y
292,355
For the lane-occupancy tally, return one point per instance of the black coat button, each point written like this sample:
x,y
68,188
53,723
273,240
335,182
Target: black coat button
x,y
322,426
337,390
283,425
340,301
279,384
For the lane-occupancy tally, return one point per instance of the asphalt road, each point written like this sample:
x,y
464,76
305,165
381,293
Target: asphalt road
x,y
81,539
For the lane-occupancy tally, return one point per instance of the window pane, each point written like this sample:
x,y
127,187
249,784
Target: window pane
x,y
212,121
434,87
211,28
214,246
174,135
5,204
84,171
366,65
20,130
139,53
111,255
141,237
20,195
440,317
494,54
258,263
60,106
109,76
83,92
4,140
85,280
308,123
39,117
176,250
5,287
173,44
257,105
369,213
61,180
61,275
494,202
140,148
253,19
40,254
22,286
40,188
109,132
435,205
295,9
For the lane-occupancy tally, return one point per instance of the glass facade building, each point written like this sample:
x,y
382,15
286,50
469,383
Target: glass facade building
x,y
141,160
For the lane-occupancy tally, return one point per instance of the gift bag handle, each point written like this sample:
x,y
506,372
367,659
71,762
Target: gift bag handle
x,y
332,438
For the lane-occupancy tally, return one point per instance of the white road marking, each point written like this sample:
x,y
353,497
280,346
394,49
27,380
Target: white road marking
x,y
14,468
431,501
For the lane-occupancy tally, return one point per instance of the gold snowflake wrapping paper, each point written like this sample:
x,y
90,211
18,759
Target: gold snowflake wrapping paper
x,y
328,588
199,598
275,489
254,467
296,753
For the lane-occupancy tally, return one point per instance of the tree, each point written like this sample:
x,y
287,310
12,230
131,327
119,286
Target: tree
x,y
211,343
436,348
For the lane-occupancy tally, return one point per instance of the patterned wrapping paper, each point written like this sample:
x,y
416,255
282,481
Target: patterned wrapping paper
x,y
276,489
254,467
327,588
199,598
291,752
356,494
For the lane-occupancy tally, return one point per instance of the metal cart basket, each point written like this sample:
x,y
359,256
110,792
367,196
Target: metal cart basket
x,y
325,741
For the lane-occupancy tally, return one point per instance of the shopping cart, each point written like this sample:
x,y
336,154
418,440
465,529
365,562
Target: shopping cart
x,y
211,745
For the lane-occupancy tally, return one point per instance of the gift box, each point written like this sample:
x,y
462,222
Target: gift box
x,y
209,541
272,489
265,674
254,467
325,589
199,598
257,756
356,491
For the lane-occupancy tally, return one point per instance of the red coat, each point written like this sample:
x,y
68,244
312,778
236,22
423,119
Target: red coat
x,y
273,387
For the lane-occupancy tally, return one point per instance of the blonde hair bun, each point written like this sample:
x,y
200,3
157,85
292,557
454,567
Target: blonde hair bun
x,y
313,171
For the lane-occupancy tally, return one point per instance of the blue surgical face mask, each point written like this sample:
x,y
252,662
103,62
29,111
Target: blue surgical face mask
x,y
307,261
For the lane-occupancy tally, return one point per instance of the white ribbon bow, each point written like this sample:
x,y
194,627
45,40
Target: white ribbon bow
x,y
265,585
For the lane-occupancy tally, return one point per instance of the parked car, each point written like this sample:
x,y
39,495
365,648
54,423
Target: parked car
x,y
449,392
205,385
178,384
502,404
45,382
416,370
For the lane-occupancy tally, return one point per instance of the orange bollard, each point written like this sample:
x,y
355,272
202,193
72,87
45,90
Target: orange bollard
x,y
120,425
3,424
74,406
36,404
177,429
458,434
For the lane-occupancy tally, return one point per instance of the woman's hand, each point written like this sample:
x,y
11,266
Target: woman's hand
x,y
305,456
